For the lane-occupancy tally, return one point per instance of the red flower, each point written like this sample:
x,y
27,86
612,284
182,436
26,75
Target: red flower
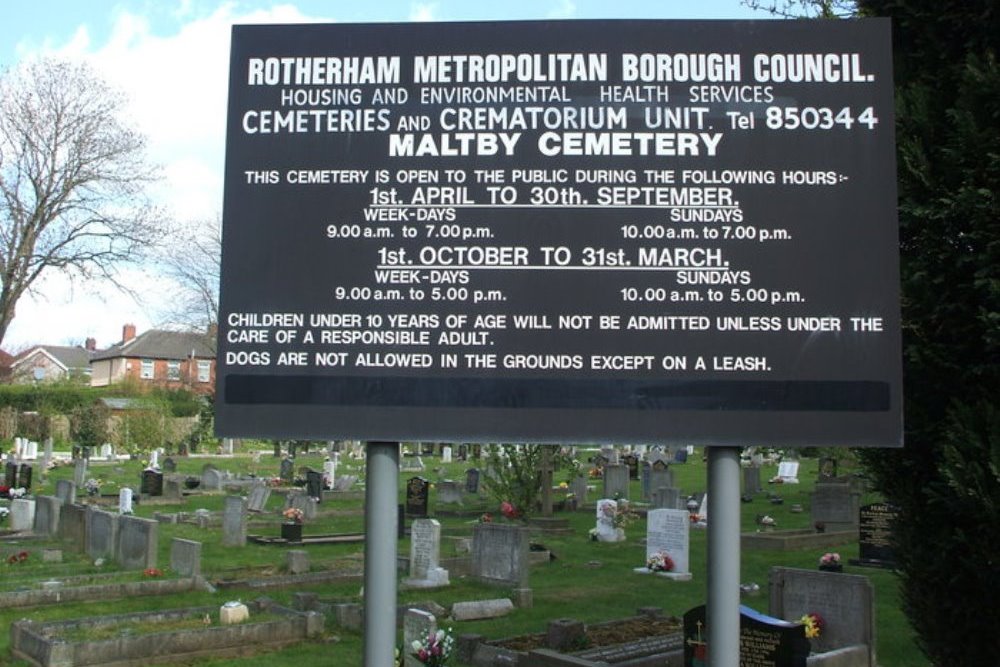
x,y
23,556
12,559
508,510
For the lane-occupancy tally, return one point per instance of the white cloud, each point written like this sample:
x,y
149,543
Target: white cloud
x,y
565,9
423,11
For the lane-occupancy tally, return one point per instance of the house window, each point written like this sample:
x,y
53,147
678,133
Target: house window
x,y
147,369
204,371
173,370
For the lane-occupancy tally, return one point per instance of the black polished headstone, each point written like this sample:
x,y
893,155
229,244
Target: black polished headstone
x,y
875,535
287,470
632,461
152,483
24,477
314,484
472,480
417,496
10,474
764,641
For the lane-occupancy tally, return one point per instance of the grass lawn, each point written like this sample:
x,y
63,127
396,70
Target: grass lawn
x,y
589,581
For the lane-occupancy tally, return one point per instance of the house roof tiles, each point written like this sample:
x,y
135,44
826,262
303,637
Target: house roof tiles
x,y
158,344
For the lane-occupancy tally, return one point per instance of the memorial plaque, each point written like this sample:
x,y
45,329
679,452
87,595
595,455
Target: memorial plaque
x,y
574,231
875,535
417,496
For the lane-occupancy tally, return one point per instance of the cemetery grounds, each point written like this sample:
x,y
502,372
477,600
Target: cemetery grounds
x,y
586,580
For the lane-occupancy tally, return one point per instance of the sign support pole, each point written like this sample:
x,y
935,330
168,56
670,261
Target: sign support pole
x,y
723,609
381,490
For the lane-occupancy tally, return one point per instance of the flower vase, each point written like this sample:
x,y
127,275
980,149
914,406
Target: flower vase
x,y
291,532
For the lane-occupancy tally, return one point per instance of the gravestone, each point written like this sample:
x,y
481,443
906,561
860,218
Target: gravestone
x,y
500,554
764,641
667,497
24,477
137,541
73,524
185,557
10,474
259,495
79,471
615,481
314,484
169,465
835,505
417,495
22,514
211,478
172,490
102,533
344,483
846,602
788,472
607,509
66,491
631,461
751,480
449,492
425,552
286,471
47,515
703,511
472,480
446,454
668,531
152,483
329,473
234,522
875,541
125,500
578,487
827,468
154,459
412,464
418,626
647,489
681,456
107,452
301,501
47,455
660,475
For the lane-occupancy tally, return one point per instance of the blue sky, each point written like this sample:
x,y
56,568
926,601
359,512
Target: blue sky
x,y
170,58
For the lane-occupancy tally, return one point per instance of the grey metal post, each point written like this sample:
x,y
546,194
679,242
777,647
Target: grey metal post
x,y
381,485
723,612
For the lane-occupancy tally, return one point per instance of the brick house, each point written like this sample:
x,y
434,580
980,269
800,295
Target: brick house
x,y
48,363
172,359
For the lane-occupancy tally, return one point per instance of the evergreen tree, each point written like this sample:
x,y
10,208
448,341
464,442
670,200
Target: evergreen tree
x,y
946,480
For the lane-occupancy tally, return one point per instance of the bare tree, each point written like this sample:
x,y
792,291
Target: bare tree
x,y
796,9
72,180
191,261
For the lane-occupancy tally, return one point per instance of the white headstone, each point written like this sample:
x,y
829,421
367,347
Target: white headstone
x,y
606,530
329,473
107,451
125,501
668,532
31,450
418,626
788,472
425,550
154,459
446,454
22,514
703,509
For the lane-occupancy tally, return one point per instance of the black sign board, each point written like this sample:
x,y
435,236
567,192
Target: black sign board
x,y
577,231
875,535
417,496
764,641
